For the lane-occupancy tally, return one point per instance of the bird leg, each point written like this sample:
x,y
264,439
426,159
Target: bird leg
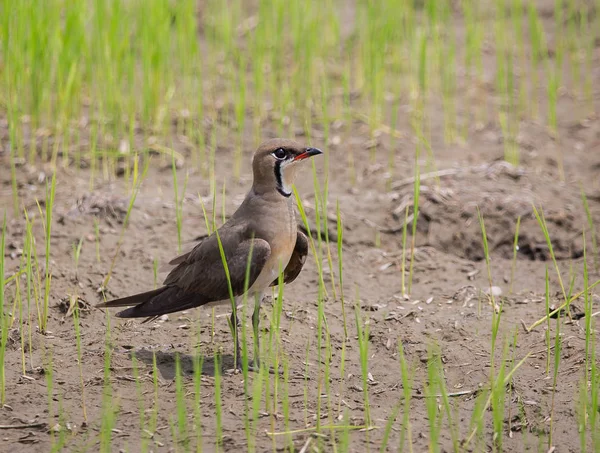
x,y
254,366
235,330
235,324
255,321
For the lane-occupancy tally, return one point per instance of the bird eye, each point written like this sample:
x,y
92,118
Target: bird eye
x,y
279,153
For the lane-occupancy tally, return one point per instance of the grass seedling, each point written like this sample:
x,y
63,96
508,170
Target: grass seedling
x,y
49,375
403,259
49,205
15,187
285,406
310,236
537,40
477,423
182,435
232,327
18,302
416,194
542,222
258,391
362,332
178,201
76,254
589,402
497,383
547,334
498,401
594,238
97,238
513,267
4,318
77,327
109,408
145,434
155,272
438,369
152,424
340,242
388,426
434,416
198,362
218,402
137,180
407,385
30,260
557,351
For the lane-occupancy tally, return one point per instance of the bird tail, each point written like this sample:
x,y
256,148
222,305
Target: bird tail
x,y
160,301
132,300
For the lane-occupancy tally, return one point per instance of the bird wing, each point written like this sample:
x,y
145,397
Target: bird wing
x,y
201,277
189,246
203,271
297,260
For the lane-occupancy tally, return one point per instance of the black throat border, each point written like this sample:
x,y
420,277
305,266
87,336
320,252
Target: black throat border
x,y
279,180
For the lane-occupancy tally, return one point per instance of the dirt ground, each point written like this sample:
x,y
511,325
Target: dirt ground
x,y
443,309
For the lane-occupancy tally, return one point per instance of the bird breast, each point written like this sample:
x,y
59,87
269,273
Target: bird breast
x,y
282,239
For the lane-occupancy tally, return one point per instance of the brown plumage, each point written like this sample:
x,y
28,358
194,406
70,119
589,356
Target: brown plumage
x,y
262,230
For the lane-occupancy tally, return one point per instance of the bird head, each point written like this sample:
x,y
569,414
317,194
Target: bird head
x,y
275,163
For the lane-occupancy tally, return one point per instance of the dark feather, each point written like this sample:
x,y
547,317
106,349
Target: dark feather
x,y
170,300
200,277
132,300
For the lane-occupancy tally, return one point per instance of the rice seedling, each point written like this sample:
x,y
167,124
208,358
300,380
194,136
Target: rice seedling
x,y
49,376
416,195
77,253
406,375
513,267
136,182
14,184
18,305
320,359
388,426
434,416
537,40
181,435
109,406
152,423
557,352
547,333
198,362
4,319
542,222
101,86
340,251
218,402
77,327
145,434
30,259
49,205
588,414
590,220
178,201
362,331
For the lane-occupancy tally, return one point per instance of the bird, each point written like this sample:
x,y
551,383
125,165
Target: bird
x,y
258,242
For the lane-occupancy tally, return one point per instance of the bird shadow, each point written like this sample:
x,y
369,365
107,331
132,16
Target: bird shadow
x,y
166,363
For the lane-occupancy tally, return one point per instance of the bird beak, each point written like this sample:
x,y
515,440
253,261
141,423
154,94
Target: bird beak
x,y
309,152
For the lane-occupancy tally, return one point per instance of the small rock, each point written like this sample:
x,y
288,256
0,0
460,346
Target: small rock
x,y
495,291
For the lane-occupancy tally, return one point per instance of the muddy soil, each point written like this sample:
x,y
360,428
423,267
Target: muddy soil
x,y
448,306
